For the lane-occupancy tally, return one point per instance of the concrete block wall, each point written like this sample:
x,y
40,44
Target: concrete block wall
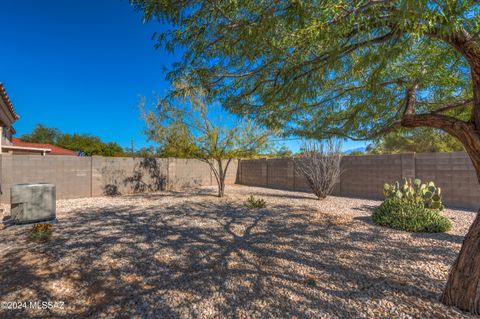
x,y
127,175
70,174
188,173
77,177
454,174
364,176
254,172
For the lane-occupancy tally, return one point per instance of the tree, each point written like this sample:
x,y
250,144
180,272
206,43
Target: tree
x,y
419,140
355,69
207,132
282,151
83,143
144,152
89,145
42,134
319,163
177,143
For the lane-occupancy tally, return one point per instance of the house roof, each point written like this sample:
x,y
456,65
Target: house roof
x,y
56,150
8,103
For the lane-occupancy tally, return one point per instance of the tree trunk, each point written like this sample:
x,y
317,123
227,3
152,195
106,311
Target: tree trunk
x,y
221,178
462,289
463,284
221,189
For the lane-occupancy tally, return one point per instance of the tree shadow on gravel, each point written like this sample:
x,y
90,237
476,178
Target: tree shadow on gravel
x,y
206,259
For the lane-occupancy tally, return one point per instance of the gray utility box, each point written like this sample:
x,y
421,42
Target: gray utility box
x,y
32,203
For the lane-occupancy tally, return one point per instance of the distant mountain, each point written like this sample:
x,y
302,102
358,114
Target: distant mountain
x,y
358,149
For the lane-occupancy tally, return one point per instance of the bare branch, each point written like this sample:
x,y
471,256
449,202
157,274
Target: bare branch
x,y
320,165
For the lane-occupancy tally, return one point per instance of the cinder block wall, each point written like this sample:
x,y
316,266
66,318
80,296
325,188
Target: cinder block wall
x,y
126,175
454,173
364,176
77,177
72,175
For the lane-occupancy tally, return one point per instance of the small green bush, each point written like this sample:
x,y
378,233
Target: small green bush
x,y
252,202
410,216
41,231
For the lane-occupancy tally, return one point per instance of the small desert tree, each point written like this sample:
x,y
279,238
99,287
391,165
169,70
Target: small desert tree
x,y
319,163
208,132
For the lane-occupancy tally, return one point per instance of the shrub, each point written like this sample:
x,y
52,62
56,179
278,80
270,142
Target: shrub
x,y
252,202
319,164
415,191
410,216
41,231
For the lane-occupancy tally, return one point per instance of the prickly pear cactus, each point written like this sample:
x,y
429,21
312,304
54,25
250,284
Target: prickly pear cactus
x,y
415,191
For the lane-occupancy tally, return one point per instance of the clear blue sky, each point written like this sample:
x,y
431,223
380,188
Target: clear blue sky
x,y
81,66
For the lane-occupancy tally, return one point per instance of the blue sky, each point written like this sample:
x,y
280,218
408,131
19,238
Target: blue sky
x,y
81,66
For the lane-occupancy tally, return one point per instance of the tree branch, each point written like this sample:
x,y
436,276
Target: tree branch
x,y
452,105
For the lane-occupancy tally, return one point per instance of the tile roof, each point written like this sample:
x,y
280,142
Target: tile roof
x,y
6,100
56,150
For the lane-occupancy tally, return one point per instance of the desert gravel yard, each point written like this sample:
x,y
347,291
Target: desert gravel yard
x,y
192,255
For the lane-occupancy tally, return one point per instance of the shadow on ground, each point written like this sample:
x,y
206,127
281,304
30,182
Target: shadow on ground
x,y
207,258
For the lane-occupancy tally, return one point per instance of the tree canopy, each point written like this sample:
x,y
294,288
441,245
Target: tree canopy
x,y
42,134
190,127
324,68
419,140
83,143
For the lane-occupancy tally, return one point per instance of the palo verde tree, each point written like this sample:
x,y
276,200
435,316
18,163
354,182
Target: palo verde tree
x,y
355,69
205,131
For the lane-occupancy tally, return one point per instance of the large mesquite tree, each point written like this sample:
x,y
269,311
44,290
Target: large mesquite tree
x,y
356,69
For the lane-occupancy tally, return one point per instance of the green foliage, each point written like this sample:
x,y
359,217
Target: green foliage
x,y
320,68
186,125
143,152
420,140
356,153
283,151
255,203
41,231
427,194
83,143
89,145
177,142
42,134
310,281
410,216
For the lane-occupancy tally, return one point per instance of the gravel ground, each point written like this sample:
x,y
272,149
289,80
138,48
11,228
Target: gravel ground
x,y
192,255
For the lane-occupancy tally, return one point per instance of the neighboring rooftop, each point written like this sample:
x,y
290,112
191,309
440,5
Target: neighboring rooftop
x,y
8,103
54,150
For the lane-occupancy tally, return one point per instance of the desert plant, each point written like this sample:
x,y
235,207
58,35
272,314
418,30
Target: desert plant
x,y
319,163
253,202
41,231
410,216
426,193
187,125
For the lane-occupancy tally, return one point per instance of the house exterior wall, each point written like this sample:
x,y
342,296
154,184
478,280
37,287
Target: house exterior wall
x,y
6,121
